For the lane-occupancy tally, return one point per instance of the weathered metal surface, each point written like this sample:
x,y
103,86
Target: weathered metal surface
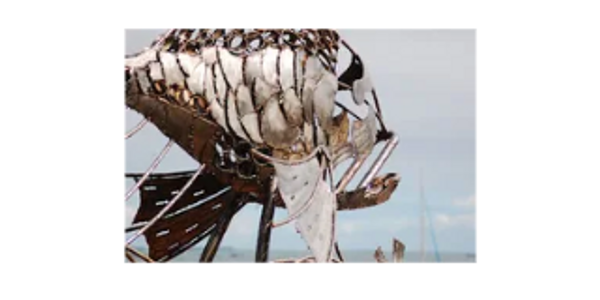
x,y
225,97
199,137
190,220
233,204
309,199
378,191
317,223
297,185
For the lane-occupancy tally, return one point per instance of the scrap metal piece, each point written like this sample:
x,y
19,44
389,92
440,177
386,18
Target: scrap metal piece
x,y
356,77
317,223
233,204
210,91
309,199
364,133
131,254
191,219
378,191
297,185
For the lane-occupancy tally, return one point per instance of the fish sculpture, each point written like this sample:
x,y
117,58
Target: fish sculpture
x,y
255,107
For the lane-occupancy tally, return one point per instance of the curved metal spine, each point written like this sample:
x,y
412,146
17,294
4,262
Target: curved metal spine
x,y
153,166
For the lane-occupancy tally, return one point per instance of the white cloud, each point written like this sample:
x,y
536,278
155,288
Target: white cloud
x,y
465,202
444,221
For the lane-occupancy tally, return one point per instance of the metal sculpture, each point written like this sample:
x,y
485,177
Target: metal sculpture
x,y
255,108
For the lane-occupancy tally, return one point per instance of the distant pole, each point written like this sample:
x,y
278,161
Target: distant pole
x,y
424,211
422,202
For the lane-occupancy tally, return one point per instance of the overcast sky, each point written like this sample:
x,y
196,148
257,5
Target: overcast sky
x,y
425,80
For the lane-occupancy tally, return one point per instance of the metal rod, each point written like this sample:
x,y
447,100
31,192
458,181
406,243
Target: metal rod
x,y
264,230
134,227
135,130
342,106
378,164
153,166
162,39
211,247
166,209
128,249
350,173
338,252
129,257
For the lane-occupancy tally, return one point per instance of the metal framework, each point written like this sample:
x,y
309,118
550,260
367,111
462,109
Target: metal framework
x,y
254,105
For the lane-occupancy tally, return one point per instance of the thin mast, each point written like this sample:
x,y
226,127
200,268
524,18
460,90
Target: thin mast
x,y
422,202
431,228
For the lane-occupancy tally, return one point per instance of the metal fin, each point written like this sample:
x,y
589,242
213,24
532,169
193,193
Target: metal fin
x,y
218,113
297,184
232,68
263,92
275,130
221,85
173,74
308,92
340,129
293,108
316,224
234,120
197,80
304,192
269,66
209,88
286,69
209,55
298,58
253,67
250,122
313,68
324,99
244,101
143,80
155,71
364,133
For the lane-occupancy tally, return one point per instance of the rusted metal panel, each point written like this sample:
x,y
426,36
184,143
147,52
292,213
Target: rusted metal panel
x,y
193,216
